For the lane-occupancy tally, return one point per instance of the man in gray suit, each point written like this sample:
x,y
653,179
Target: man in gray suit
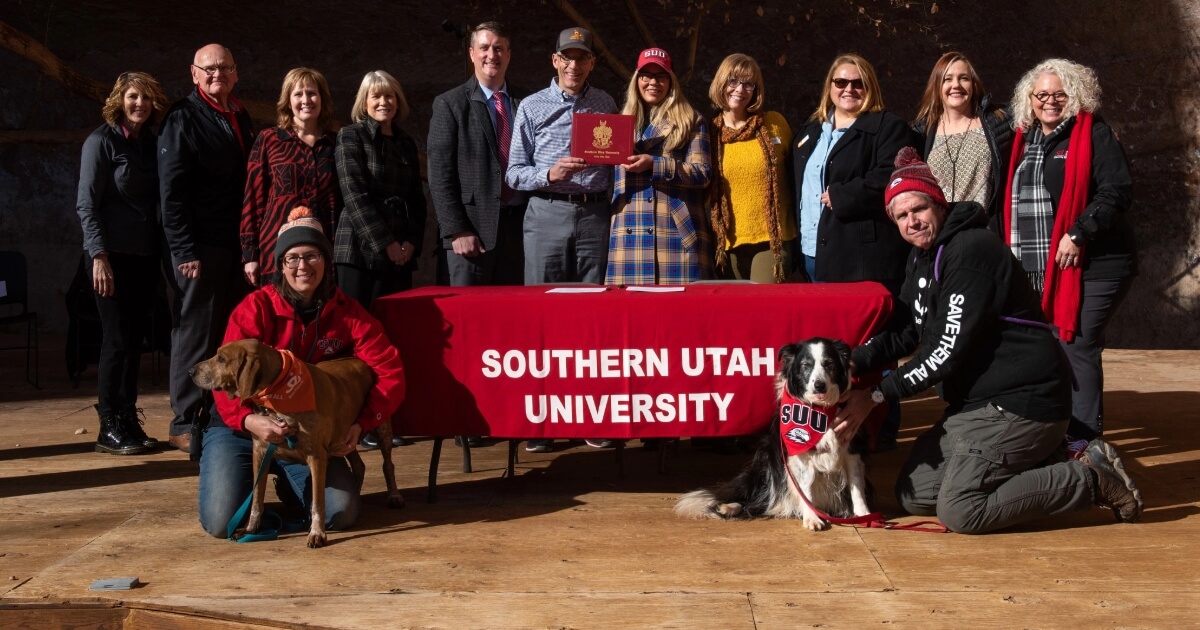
x,y
479,216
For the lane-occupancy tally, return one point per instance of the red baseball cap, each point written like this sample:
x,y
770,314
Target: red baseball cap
x,y
656,56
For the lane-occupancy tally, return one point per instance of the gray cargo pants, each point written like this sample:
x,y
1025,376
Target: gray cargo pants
x,y
987,469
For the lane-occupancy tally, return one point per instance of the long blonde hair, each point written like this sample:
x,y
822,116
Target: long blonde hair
x,y
675,110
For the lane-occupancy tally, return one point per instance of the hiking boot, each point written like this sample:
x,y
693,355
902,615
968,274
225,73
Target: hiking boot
x,y
132,426
113,439
1114,488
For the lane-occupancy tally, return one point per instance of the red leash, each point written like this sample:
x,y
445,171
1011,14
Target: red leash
x,y
874,520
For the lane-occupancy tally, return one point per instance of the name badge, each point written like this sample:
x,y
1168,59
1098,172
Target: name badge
x,y
776,140
802,141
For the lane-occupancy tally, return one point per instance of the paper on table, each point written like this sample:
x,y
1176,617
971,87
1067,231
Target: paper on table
x,y
642,289
578,290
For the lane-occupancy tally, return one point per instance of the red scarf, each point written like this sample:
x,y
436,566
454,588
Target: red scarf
x,y
292,391
802,425
1062,293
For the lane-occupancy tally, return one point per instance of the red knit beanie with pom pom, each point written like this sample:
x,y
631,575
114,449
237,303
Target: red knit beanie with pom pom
x,y
912,175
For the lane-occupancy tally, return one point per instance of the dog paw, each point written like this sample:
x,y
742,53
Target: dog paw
x,y
316,539
728,510
814,524
395,502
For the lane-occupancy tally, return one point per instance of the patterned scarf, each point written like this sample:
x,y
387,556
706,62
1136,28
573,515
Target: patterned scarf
x,y
720,208
1033,217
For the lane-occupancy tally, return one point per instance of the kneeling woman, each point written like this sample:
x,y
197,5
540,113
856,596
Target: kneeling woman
x,y
304,312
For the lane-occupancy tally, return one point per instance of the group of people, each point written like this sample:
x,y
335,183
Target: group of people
x,y
252,226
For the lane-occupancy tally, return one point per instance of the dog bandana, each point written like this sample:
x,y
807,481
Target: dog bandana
x,y
802,425
292,391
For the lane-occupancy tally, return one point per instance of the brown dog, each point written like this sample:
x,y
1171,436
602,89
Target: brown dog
x,y
247,368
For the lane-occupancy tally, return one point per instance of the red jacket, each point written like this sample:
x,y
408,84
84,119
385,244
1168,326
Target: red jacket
x,y
342,329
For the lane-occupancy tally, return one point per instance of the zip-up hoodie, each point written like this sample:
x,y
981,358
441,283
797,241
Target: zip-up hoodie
x,y
341,329
958,294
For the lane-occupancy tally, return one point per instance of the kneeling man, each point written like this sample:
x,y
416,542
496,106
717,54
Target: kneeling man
x,y
995,459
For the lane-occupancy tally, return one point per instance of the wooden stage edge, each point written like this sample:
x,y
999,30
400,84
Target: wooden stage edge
x,y
566,543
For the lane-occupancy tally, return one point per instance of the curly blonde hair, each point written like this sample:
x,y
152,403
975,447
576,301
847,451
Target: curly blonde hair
x,y
1079,82
114,105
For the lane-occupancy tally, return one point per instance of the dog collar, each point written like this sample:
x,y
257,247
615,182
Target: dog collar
x,y
292,391
802,425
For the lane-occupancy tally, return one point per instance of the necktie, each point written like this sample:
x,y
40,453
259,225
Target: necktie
x,y
503,139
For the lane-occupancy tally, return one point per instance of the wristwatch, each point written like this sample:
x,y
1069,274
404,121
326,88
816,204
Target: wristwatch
x,y
877,395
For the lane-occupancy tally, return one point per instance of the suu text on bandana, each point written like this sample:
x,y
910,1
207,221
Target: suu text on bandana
x,y
801,425
292,391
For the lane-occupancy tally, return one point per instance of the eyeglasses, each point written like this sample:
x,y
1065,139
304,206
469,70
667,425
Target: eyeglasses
x,y
733,84
312,259
1059,97
841,83
567,61
211,70
660,77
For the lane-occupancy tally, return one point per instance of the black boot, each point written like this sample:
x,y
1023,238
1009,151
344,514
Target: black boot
x,y
113,439
131,424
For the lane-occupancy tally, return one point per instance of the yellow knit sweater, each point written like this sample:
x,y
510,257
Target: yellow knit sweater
x,y
745,172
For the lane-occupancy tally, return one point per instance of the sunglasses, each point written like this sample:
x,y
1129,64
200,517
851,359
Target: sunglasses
x,y
841,84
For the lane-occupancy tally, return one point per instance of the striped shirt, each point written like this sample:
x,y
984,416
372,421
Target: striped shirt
x,y
542,135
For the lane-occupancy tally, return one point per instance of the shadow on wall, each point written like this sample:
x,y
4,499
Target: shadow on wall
x,y
1148,63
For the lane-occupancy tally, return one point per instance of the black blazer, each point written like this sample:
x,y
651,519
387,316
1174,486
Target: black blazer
x,y
464,164
856,240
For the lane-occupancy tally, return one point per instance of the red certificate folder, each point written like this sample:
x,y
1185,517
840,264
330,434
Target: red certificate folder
x,y
602,138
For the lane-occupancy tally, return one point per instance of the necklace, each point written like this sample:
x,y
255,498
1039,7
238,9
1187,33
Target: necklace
x,y
954,153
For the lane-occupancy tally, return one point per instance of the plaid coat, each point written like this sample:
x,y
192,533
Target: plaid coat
x,y
660,232
380,178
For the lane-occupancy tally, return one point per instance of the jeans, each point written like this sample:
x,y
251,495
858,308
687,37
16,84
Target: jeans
x,y
227,476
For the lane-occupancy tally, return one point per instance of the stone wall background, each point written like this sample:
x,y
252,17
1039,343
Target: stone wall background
x,y
1147,55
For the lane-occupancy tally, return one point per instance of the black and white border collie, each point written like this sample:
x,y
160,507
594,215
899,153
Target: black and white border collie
x,y
831,472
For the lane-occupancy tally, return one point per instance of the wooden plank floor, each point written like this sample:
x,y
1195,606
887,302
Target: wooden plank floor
x,y
568,544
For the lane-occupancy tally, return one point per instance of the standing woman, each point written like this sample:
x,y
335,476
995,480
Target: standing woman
x,y
1067,192
843,159
290,165
379,233
118,209
968,139
750,201
659,230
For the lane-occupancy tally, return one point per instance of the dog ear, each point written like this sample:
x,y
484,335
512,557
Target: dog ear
x,y
247,374
787,354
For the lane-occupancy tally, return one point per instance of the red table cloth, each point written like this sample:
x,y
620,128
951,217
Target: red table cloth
x,y
518,362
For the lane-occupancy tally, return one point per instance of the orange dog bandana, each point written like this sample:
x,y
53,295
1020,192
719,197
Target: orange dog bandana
x,y
802,425
292,391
